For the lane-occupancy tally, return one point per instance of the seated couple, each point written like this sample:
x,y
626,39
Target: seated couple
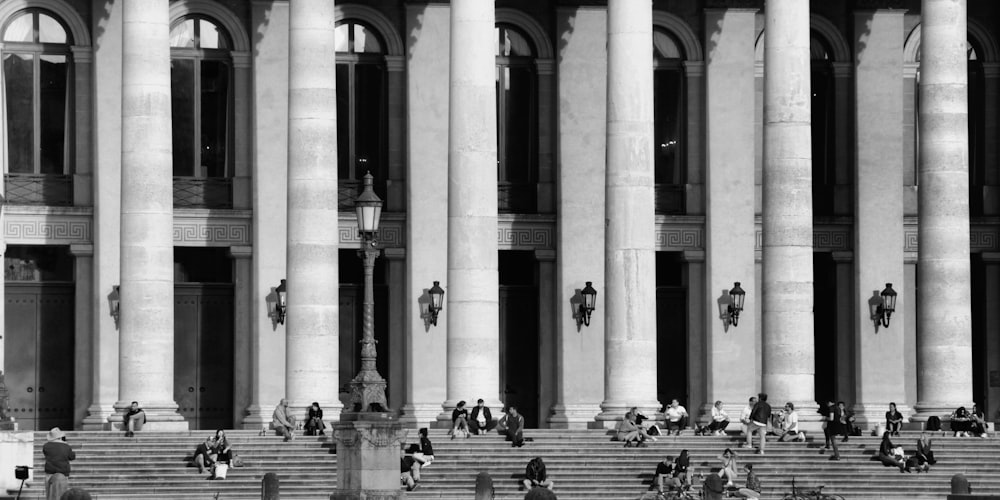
x,y
631,431
480,421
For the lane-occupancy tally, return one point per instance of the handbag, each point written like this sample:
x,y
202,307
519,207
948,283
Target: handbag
x,y
220,471
236,461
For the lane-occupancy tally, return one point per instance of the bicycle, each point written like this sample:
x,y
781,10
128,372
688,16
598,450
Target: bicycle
x,y
814,494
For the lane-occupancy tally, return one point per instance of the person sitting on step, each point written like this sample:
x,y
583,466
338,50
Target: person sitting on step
x,y
887,454
481,420
134,419
535,475
752,489
204,455
409,472
961,422
978,425
422,452
314,421
283,421
511,425
790,424
925,456
720,420
893,420
677,417
728,470
665,477
630,433
460,421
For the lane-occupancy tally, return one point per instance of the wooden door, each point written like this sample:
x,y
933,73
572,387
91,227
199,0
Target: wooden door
x,y
349,355
203,354
519,350
39,348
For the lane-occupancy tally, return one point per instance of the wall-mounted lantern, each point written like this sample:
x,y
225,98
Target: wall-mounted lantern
x,y
115,303
737,296
437,302
883,311
280,305
589,304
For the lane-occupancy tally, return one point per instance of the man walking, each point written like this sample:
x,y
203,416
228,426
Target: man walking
x,y
58,454
759,418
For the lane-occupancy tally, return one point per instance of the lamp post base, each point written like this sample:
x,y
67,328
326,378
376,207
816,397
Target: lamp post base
x,y
368,453
368,393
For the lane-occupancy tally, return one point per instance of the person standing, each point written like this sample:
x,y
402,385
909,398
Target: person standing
x,y
58,454
759,418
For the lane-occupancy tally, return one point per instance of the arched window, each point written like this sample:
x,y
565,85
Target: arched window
x,y
37,90
361,107
824,169
669,122
517,121
201,72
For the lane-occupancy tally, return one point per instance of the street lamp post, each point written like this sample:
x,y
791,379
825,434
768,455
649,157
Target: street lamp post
x,y
368,387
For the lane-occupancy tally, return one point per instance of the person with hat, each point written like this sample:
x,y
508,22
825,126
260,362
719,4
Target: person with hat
x,y
58,453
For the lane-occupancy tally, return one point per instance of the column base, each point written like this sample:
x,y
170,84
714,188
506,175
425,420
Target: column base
x,y
258,418
420,415
942,410
160,416
99,418
575,417
867,415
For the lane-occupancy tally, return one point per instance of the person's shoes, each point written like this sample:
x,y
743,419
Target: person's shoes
x,y
653,438
322,433
760,452
129,434
643,445
822,451
834,458
844,440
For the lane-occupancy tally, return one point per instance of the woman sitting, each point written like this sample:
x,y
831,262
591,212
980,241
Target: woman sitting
x,y
925,456
961,422
314,422
887,454
893,420
728,470
535,475
978,423
223,450
460,421
683,470
629,432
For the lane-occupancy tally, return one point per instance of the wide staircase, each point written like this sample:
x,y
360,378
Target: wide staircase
x,y
585,465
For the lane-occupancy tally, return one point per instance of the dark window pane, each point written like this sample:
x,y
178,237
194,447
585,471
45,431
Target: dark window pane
x,y
182,106
518,124
665,47
53,87
214,117
49,30
18,76
668,115
366,40
182,35
38,263
344,170
822,127
369,113
21,29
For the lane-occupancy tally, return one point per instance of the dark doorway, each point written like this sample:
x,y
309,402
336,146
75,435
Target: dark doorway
x,y
980,349
203,337
825,331
519,333
39,336
671,329
352,282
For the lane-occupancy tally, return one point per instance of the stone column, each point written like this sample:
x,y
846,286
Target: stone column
x,y
426,212
629,252
268,170
879,225
243,314
787,280
473,298
83,322
944,356
729,225
146,341
312,328
582,66
107,141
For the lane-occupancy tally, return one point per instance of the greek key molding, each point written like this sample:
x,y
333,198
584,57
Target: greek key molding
x,y
201,228
391,231
515,232
41,226
826,237
680,233
984,236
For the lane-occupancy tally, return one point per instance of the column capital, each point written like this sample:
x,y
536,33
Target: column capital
x,y
241,60
395,64
81,250
82,54
693,255
842,257
990,257
842,69
694,68
545,255
394,253
241,252
545,66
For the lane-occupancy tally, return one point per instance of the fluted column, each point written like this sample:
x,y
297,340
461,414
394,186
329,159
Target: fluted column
x,y
879,239
146,324
313,285
473,283
944,321
629,255
787,278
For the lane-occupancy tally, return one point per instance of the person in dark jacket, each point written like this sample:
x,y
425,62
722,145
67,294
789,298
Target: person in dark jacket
x,y
513,427
759,418
887,456
314,421
535,475
58,454
481,420
893,420
134,419
713,487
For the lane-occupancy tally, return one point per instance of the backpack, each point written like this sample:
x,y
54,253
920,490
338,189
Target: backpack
x,y
933,423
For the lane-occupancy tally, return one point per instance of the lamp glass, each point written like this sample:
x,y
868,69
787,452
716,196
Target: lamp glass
x,y
589,296
737,295
889,298
282,294
368,207
437,296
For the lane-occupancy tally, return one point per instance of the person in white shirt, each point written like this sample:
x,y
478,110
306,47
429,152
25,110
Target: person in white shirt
x,y
720,420
745,415
677,417
790,425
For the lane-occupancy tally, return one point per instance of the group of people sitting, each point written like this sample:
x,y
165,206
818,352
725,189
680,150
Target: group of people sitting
x,y
894,456
415,457
965,423
480,421
675,474
285,424
216,455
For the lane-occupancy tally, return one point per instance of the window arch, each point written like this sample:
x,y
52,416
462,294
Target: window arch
x,y
517,119
201,75
362,99
37,85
